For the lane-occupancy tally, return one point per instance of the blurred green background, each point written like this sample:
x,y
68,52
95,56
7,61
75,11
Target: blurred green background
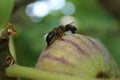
x,y
33,18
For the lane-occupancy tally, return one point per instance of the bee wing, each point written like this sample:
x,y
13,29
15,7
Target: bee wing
x,y
45,36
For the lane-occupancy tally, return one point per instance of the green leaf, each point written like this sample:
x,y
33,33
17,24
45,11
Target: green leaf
x,y
5,11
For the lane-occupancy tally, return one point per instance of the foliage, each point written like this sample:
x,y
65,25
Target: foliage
x,y
5,10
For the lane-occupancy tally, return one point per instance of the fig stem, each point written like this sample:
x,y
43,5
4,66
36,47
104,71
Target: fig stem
x,y
34,74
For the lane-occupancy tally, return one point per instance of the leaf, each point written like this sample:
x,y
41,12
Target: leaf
x,y
5,11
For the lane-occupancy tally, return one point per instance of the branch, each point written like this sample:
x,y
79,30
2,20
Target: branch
x,y
112,6
6,59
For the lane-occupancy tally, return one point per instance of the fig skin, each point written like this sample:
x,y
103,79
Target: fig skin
x,y
80,56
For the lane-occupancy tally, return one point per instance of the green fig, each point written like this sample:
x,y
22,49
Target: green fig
x,y
79,56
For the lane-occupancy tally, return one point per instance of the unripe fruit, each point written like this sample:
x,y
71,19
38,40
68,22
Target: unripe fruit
x,y
79,56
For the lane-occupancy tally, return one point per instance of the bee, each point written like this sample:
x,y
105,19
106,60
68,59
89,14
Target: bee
x,y
58,32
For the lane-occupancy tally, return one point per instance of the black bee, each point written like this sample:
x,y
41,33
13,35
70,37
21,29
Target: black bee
x,y
58,32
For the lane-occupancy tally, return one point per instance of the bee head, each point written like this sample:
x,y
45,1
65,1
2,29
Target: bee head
x,y
71,28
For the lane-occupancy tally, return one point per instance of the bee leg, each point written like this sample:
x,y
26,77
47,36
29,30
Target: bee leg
x,y
60,37
50,42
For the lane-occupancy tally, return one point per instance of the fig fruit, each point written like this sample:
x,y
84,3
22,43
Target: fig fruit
x,y
79,56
